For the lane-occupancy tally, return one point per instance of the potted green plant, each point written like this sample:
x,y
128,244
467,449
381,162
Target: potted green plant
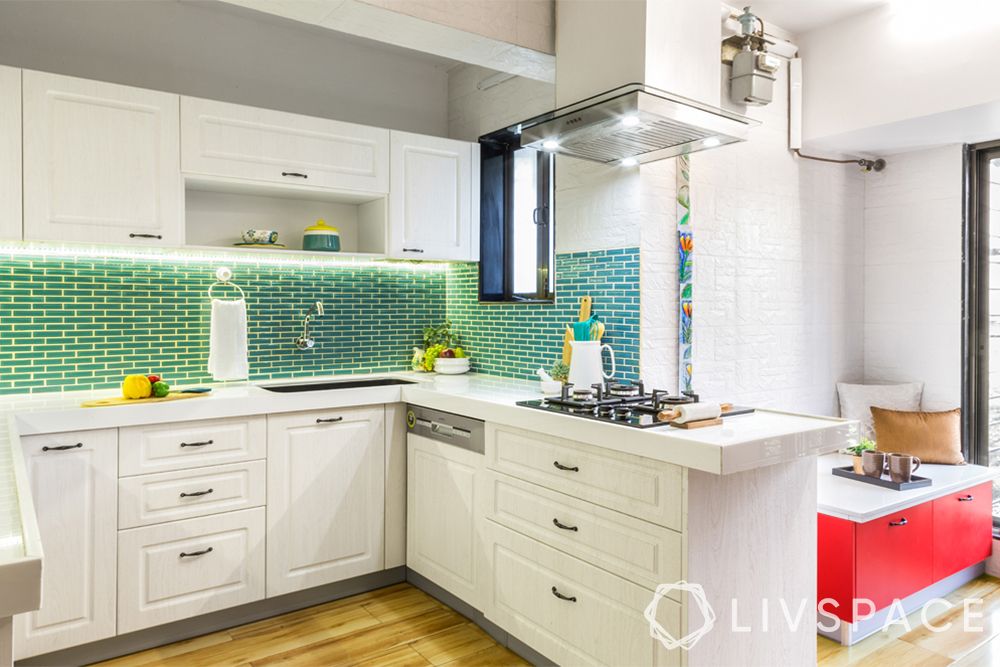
x,y
864,445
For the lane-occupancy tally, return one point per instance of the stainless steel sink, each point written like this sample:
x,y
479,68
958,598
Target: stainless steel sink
x,y
334,384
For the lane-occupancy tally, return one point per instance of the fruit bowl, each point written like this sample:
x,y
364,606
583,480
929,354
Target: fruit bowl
x,y
451,366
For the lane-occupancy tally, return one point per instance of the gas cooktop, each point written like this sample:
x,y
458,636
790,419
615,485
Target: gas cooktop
x,y
622,402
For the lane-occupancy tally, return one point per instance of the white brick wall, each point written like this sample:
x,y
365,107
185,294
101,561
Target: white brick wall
x,y
778,271
473,112
913,274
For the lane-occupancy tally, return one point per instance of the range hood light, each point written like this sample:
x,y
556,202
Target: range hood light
x,y
629,162
630,121
711,142
550,145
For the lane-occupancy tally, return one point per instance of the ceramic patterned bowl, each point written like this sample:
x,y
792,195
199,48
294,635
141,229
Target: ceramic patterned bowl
x,y
263,236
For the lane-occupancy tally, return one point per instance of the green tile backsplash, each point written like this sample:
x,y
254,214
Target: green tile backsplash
x,y
83,323
515,339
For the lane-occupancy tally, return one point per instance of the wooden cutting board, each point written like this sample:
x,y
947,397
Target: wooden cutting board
x,y
121,400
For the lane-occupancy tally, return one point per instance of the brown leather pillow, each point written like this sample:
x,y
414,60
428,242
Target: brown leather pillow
x,y
933,437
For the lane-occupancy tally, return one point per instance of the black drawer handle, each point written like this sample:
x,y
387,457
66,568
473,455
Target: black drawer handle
x,y
295,174
62,448
412,250
194,494
901,522
564,526
197,444
966,499
145,236
568,598
197,553
569,468
331,420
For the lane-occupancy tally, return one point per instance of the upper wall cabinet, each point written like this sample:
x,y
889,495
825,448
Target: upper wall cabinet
x,y
101,162
10,153
434,198
233,141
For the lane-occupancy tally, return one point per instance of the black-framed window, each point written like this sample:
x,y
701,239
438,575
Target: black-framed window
x,y
517,222
981,310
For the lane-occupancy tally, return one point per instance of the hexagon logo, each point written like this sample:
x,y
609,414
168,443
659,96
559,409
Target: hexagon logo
x,y
697,595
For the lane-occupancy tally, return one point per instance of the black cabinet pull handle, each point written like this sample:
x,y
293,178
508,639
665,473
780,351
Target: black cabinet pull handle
x,y
196,493
295,174
412,250
564,526
965,499
61,448
569,468
197,444
331,420
901,522
145,236
197,553
568,598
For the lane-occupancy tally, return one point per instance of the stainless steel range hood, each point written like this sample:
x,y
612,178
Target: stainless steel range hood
x,y
634,122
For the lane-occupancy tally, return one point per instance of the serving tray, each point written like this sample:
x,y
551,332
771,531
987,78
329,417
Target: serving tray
x,y
915,480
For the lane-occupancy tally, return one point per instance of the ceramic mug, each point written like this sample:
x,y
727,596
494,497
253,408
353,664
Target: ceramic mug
x,y
902,467
873,463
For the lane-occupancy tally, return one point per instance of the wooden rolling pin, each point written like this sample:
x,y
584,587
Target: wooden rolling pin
x,y
693,413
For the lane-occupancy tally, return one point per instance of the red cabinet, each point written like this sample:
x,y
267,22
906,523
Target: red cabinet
x,y
963,529
894,555
899,554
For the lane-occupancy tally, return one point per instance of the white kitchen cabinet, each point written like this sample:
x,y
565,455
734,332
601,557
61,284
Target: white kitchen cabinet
x,y
443,517
74,482
10,153
433,198
184,568
325,496
241,142
101,162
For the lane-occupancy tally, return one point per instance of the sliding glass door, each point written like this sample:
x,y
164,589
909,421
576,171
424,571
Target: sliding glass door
x,y
981,310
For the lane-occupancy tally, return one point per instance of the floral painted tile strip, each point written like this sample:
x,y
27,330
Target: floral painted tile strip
x,y
685,273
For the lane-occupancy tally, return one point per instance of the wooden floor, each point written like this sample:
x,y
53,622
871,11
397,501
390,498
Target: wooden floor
x,y
398,626
401,626
920,647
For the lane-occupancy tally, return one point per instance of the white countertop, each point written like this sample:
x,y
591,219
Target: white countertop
x,y
860,502
741,443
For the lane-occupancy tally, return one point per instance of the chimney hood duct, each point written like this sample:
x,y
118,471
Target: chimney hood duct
x,y
635,123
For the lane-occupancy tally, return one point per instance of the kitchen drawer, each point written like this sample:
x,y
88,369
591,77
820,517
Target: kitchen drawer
x,y
601,623
636,550
177,570
175,446
893,555
963,529
640,487
184,494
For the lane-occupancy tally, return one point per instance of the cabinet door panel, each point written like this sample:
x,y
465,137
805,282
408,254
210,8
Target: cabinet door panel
x,y
963,529
894,555
74,481
325,497
184,568
442,515
431,198
10,153
235,141
101,162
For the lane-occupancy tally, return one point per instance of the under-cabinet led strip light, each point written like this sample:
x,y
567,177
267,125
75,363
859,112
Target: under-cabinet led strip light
x,y
44,250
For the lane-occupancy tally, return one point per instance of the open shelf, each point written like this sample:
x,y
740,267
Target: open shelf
x,y
218,212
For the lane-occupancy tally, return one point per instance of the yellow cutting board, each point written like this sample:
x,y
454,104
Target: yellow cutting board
x,y
121,400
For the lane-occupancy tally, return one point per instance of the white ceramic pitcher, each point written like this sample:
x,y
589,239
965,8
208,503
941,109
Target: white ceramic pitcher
x,y
586,368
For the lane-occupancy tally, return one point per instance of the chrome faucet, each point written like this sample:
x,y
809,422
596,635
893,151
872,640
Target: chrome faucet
x,y
304,342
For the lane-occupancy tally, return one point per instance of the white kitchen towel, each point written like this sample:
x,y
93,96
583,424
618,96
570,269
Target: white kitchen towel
x,y
227,346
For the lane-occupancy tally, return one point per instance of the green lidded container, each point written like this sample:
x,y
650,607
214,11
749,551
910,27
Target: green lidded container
x,y
321,236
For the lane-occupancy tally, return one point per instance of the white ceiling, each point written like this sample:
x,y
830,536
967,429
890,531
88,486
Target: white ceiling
x,y
800,16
